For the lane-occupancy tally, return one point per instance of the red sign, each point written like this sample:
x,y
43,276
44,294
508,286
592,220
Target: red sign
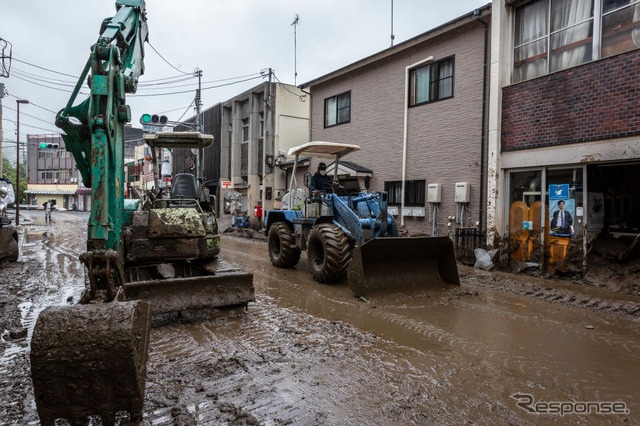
x,y
226,184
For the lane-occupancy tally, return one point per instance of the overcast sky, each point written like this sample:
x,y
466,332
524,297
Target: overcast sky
x,y
225,39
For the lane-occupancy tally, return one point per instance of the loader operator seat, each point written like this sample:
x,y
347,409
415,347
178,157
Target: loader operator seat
x,y
185,186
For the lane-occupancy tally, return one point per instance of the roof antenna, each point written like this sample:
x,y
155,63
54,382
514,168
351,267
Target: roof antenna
x,y
392,36
295,23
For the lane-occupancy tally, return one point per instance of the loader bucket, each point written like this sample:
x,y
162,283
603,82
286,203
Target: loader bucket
x,y
214,285
385,263
90,360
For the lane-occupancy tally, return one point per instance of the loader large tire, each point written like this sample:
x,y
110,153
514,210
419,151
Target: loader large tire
x,y
329,253
14,252
282,249
403,232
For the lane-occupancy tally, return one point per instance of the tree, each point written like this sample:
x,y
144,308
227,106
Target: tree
x,y
9,171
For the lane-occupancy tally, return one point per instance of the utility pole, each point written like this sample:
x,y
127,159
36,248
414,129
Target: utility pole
x,y
199,126
392,36
18,102
295,23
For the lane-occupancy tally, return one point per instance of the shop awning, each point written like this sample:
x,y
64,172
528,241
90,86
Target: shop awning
x,y
43,192
83,191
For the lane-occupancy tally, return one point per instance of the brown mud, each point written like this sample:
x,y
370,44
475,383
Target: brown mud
x,y
307,353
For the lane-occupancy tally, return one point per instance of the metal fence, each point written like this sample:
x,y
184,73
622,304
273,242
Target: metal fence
x,y
466,241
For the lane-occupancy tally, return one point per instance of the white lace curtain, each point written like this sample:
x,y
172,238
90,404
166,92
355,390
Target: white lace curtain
x,y
568,14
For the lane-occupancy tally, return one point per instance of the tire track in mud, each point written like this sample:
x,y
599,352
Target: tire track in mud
x,y
537,365
279,367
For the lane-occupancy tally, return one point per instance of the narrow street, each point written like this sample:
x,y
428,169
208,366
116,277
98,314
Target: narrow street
x,y
307,353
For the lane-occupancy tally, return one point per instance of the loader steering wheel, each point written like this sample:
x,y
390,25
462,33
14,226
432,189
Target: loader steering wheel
x,y
331,187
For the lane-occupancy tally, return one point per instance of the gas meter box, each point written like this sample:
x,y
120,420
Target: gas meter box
x,y
463,192
434,193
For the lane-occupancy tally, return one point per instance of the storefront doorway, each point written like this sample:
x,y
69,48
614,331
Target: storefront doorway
x,y
546,217
614,217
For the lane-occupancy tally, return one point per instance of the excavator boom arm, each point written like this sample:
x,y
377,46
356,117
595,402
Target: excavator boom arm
x,y
95,127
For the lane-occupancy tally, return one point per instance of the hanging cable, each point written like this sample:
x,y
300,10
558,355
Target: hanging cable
x,y
27,115
185,111
204,88
45,69
33,104
49,80
168,63
29,125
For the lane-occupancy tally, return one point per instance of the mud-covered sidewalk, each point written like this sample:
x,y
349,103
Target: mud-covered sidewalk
x,y
306,353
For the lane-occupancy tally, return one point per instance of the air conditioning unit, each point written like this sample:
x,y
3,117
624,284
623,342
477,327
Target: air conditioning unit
x,y
54,180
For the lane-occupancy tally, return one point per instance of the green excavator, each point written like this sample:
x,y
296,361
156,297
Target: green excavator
x,y
156,255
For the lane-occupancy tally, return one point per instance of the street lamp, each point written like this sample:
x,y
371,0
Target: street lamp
x,y
18,102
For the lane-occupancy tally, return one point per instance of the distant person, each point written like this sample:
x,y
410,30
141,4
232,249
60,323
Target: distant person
x,y
47,211
320,181
562,222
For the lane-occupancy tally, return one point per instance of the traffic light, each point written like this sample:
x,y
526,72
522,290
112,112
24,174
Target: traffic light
x,y
54,145
154,120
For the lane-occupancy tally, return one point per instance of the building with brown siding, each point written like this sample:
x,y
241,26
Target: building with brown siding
x,y
439,77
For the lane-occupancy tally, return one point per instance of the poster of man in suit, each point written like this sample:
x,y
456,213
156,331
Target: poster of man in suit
x,y
561,214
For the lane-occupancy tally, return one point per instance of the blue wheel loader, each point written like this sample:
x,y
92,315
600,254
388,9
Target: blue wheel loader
x,y
352,234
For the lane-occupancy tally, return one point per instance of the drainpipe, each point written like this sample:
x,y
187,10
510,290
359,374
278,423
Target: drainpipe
x,y
476,13
404,138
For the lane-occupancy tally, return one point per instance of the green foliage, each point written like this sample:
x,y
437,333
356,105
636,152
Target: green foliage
x,y
9,171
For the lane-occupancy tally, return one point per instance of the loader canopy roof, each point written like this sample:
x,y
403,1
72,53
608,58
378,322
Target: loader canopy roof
x,y
323,149
178,140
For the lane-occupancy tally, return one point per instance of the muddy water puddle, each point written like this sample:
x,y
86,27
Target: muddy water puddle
x,y
485,344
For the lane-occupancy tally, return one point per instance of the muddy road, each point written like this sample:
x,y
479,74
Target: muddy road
x,y
306,353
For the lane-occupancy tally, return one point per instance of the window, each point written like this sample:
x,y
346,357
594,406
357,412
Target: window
x,y
620,26
415,192
262,124
394,189
337,109
552,35
431,82
245,130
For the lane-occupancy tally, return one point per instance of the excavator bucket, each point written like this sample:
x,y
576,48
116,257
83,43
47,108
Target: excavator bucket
x,y
90,360
384,263
179,287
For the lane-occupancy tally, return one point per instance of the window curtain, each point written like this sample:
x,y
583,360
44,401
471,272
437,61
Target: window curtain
x,y
344,102
421,84
565,13
531,21
446,79
331,111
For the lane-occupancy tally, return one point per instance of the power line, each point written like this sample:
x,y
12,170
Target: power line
x,y
284,86
175,109
204,82
168,63
25,114
45,69
183,114
147,85
76,77
29,125
43,79
44,85
204,88
34,104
